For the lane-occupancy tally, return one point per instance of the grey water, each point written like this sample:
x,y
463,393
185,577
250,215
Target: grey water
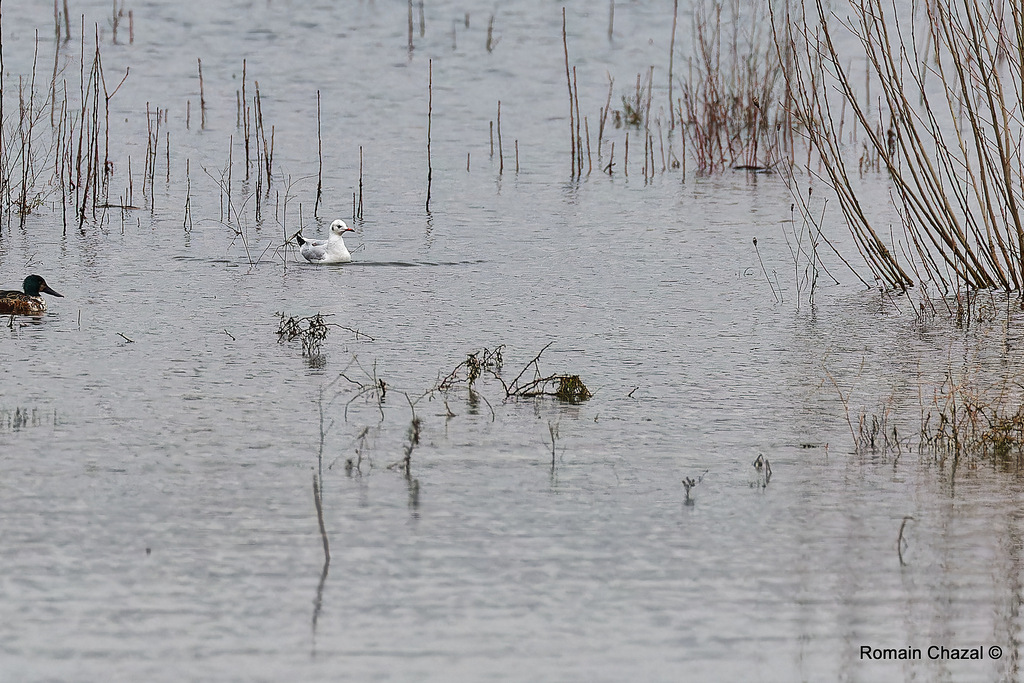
x,y
158,442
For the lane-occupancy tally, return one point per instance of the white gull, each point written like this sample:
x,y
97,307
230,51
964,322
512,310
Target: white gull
x,y
330,250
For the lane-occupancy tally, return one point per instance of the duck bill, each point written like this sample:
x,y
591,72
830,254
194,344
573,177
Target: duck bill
x,y
48,290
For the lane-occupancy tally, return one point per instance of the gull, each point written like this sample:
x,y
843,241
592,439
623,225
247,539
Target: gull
x,y
330,250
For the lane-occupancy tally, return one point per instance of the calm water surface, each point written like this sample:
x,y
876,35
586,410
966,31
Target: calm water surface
x,y
157,443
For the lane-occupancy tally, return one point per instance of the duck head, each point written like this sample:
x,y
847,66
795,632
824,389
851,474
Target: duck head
x,y
34,284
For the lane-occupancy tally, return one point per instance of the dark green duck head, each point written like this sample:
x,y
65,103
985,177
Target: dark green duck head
x,y
34,284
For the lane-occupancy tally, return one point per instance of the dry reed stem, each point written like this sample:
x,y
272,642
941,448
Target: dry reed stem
x,y
202,96
320,159
671,61
359,213
568,80
430,116
410,25
501,155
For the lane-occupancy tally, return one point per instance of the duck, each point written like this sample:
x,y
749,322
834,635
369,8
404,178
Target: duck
x,y
28,302
331,250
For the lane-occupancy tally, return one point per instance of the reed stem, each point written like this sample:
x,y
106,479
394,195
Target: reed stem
x,y
430,116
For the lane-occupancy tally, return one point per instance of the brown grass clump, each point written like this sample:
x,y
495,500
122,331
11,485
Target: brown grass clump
x,y
968,425
572,389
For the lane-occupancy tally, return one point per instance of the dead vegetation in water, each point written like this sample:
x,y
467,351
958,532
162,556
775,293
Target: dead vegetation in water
x,y
24,418
526,384
469,371
564,387
970,421
689,483
875,431
727,108
356,383
311,331
967,413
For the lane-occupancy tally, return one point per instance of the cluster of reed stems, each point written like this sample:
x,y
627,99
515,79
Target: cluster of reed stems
x,y
71,157
944,123
969,422
730,108
727,112
70,161
939,114
968,413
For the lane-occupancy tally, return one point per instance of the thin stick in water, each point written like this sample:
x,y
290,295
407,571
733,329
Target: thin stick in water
x,y
320,159
625,162
671,56
186,222
202,96
430,116
578,139
586,128
245,121
501,157
568,80
765,271
410,29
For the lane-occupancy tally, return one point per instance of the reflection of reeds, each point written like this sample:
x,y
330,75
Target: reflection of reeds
x,y
22,418
318,502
